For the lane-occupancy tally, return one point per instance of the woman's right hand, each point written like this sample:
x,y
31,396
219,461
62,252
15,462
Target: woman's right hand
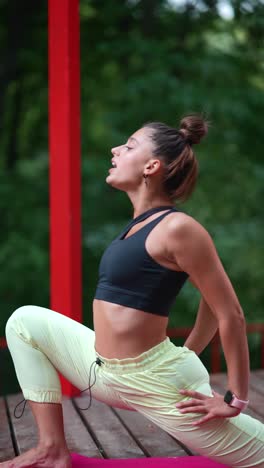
x,y
213,407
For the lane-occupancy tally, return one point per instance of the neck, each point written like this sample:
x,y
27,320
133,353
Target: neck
x,y
144,203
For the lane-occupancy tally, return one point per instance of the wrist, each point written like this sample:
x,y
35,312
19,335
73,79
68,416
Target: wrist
x,y
232,400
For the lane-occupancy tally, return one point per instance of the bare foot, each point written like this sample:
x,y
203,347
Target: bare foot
x,y
40,458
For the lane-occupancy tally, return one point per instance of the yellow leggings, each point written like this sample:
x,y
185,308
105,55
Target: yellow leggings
x,y
42,341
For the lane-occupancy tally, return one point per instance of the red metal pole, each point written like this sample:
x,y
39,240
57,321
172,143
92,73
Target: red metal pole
x,y
64,147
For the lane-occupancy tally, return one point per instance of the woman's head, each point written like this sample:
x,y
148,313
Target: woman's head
x,y
175,148
159,158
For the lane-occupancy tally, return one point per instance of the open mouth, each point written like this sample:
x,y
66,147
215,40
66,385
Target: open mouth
x,y
113,166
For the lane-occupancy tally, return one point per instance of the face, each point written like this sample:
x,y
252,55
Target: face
x,y
131,160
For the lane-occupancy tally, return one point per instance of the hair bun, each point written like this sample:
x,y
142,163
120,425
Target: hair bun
x,y
193,127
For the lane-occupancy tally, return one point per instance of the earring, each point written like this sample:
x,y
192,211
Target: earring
x,y
145,179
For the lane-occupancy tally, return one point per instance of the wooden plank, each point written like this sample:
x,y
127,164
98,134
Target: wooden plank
x,y
25,429
78,438
259,373
156,442
255,407
257,381
26,432
110,432
6,446
115,440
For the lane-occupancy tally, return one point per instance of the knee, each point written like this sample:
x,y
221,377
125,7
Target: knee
x,y
18,315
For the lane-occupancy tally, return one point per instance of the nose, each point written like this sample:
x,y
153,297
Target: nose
x,y
114,151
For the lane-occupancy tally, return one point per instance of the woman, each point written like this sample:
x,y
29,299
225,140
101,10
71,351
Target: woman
x,y
135,364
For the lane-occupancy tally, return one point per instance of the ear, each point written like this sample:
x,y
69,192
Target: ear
x,y
153,166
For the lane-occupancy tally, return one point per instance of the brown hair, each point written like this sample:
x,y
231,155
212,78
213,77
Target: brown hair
x,y
174,147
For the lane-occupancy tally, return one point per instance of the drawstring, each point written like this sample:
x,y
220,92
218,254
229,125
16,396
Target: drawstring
x,y
99,362
23,408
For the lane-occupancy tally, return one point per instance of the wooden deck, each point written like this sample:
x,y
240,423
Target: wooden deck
x,y
105,432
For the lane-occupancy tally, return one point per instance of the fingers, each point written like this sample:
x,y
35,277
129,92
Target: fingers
x,y
188,403
193,394
203,420
193,409
215,394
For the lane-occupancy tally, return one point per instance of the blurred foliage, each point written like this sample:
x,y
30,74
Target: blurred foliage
x,y
140,60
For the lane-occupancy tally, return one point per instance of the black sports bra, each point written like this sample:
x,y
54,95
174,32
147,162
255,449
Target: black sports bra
x,y
129,276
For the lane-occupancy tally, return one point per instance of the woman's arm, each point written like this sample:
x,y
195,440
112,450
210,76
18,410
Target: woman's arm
x,y
204,329
193,250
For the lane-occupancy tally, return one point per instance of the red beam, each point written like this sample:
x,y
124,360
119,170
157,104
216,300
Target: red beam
x,y
64,148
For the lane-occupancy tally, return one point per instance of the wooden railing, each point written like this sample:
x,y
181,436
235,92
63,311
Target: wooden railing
x,y
215,344
3,343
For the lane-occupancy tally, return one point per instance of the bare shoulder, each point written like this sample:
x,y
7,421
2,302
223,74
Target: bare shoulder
x,y
190,245
181,226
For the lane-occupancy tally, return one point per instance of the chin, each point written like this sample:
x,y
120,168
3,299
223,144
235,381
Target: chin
x,y
116,185
111,182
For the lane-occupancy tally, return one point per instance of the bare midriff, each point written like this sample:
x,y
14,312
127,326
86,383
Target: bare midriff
x,y
123,332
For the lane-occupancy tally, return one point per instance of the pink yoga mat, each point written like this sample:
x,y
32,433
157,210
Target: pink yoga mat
x,y
79,461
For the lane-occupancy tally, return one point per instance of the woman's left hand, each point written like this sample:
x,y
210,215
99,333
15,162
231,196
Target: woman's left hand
x,y
213,407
